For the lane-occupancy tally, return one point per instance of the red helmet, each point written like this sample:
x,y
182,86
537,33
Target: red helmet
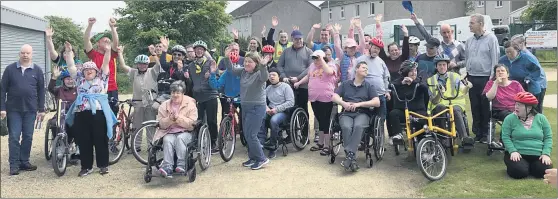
x,y
268,49
526,98
234,57
377,42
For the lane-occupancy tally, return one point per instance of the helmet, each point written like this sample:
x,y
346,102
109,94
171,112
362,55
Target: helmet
x,y
141,59
268,49
526,98
407,66
414,40
64,74
179,48
200,43
89,65
441,57
377,42
234,57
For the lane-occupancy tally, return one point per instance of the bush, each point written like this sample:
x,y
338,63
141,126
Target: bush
x,y
123,81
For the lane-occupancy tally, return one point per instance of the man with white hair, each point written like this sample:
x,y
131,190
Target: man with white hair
x,y
22,100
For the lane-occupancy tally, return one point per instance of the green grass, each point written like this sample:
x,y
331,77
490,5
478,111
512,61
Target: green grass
x,y
547,58
551,88
476,175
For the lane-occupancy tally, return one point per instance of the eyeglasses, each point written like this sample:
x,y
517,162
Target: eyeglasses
x,y
177,54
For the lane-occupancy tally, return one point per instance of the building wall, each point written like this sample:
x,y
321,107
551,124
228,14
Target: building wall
x,y
497,13
243,25
366,14
289,13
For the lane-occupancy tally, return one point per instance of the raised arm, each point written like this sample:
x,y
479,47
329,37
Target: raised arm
x,y
337,40
86,42
379,31
50,45
164,64
121,61
274,23
106,59
264,74
68,55
157,68
421,28
235,35
115,40
361,43
405,49
52,84
310,37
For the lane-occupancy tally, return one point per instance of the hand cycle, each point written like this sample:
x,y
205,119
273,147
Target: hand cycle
x,y
430,134
121,131
61,147
228,129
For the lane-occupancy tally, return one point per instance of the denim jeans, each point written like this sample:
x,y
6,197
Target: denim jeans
x,y
275,122
252,122
20,124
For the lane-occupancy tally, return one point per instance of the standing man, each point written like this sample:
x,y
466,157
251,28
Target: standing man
x,y
96,55
481,55
325,37
158,50
22,95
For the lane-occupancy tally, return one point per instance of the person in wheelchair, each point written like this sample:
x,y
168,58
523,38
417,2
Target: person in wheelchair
x,y
447,82
177,117
501,91
527,137
405,87
356,96
281,98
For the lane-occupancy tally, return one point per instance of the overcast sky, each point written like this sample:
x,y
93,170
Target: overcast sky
x,y
80,11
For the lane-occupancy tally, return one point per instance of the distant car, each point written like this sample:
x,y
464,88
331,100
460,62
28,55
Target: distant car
x,y
502,32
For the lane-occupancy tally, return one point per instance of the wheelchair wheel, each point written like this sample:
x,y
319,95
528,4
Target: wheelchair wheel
x,y
145,134
299,129
430,152
227,139
204,148
379,138
117,144
60,155
49,137
335,140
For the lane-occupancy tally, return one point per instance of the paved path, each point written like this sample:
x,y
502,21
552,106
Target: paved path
x,y
551,74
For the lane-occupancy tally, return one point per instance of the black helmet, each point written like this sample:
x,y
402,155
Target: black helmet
x,y
407,66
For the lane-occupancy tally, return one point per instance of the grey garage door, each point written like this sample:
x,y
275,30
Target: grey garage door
x,y
12,38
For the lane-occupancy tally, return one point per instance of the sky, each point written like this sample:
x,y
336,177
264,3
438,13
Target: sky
x,y
80,11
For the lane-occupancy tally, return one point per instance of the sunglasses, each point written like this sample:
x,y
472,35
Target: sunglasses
x,y
177,54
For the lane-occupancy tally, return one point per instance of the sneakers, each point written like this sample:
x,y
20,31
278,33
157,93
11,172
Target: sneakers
x,y
165,173
350,163
248,163
179,170
14,171
316,139
27,167
85,172
272,154
214,150
103,170
395,139
259,164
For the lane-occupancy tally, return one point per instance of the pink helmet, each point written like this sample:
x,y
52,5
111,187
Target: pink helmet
x,y
89,65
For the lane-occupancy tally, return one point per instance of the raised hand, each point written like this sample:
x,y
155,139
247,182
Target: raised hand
x,y
151,49
317,26
235,33
356,22
121,49
165,41
414,18
263,31
274,21
329,27
266,59
179,64
91,20
337,27
67,46
112,22
378,17
213,66
296,27
55,72
49,31
404,29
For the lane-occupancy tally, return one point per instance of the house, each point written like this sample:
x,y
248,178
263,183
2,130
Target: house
x,y
253,15
18,28
429,11
501,12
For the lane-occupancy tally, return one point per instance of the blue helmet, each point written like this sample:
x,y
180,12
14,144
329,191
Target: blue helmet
x,y
64,74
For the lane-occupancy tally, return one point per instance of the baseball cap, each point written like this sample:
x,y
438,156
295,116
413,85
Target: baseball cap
x,y
433,43
350,43
318,53
296,34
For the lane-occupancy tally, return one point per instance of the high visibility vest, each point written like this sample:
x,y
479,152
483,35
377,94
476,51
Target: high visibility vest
x,y
279,50
451,89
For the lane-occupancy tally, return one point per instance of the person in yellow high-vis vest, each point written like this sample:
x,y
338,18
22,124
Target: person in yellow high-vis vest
x,y
447,83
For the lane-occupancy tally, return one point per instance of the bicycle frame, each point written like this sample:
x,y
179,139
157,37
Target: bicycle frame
x,y
232,113
61,112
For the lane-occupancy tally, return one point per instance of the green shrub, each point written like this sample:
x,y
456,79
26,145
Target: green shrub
x,y
124,84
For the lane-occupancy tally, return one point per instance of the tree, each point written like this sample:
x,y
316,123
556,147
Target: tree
x,y
183,22
66,30
540,11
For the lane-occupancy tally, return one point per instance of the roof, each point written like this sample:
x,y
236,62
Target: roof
x,y
5,8
10,16
338,3
252,6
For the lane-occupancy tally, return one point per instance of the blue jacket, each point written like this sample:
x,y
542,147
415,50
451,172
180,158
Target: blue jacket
x,y
21,92
522,68
543,74
228,80
103,100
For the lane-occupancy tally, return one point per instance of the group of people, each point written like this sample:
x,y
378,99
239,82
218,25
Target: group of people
x,y
272,78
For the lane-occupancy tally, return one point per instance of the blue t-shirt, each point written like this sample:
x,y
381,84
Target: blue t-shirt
x,y
319,46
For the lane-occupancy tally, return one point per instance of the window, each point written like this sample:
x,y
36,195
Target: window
x,y
342,12
499,4
480,3
372,10
496,22
357,10
330,14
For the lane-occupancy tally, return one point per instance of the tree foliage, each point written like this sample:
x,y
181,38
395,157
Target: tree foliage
x,y
540,11
66,30
183,22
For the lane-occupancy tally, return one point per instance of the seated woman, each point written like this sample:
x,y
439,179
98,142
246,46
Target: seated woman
x,y
447,82
527,137
177,117
356,96
500,90
405,87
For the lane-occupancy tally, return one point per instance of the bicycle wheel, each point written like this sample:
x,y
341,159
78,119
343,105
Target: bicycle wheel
x,y
430,152
143,137
204,148
227,139
116,144
60,157
49,137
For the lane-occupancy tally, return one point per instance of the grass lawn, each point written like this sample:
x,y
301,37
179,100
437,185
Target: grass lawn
x,y
551,88
476,175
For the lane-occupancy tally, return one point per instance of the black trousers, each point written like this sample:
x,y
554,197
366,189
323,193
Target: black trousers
x,y
396,117
92,132
527,165
113,101
225,110
322,111
480,107
500,115
209,107
540,97
301,98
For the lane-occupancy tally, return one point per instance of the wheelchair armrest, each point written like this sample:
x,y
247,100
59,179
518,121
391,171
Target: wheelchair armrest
x,y
197,125
149,122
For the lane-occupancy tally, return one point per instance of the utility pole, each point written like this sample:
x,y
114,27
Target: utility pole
x,y
485,7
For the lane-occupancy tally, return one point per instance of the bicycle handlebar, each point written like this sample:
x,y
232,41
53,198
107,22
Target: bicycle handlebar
x,y
397,95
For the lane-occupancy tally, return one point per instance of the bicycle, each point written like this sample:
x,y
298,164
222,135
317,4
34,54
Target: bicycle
x,y
431,136
228,129
122,131
50,101
61,148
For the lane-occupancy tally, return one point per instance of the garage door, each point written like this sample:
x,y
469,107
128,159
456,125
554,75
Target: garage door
x,y
12,38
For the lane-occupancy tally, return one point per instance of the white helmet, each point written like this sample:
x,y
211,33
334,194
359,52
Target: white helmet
x,y
414,40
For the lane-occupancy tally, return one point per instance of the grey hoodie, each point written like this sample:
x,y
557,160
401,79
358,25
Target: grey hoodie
x,y
481,54
202,91
294,63
280,96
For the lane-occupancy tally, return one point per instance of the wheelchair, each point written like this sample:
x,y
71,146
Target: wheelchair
x,y
295,131
374,138
199,150
493,146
